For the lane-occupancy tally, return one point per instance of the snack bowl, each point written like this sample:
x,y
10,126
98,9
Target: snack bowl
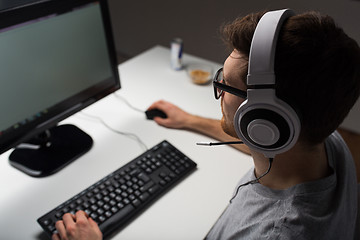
x,y
199,73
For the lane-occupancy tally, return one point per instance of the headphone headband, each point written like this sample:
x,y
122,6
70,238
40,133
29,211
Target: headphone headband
x,y
262,53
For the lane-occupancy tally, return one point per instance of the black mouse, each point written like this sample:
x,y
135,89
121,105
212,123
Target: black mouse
x,y
150,114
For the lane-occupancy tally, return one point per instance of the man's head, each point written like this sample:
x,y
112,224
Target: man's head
x,y
316,68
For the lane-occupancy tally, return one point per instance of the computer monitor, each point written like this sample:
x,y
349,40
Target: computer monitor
x,y
56,58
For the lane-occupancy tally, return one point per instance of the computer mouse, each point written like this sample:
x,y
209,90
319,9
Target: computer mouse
x,y
150,114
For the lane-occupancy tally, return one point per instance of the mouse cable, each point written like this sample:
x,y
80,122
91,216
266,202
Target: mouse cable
x,y
256,180
126,134
127,103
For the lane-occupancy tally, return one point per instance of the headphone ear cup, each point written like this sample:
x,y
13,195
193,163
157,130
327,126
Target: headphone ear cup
x,y
270,126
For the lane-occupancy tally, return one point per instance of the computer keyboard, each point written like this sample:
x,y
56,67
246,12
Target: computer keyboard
x,y
114,200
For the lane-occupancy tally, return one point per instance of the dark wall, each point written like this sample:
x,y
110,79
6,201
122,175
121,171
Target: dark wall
x,y
139,25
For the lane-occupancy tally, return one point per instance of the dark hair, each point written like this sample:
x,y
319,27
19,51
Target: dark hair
x,y
317,69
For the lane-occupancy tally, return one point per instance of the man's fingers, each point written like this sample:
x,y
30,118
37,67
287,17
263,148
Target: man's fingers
x,y
69,219
61,229
81,216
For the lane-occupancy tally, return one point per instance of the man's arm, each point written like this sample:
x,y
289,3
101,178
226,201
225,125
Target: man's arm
x,y
179,119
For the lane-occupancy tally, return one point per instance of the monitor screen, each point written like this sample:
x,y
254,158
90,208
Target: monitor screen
x,y
56,58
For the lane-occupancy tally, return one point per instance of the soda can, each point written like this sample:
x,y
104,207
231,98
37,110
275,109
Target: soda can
x,y
176,53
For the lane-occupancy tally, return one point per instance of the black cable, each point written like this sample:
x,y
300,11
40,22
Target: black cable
x,y
217,143
256,180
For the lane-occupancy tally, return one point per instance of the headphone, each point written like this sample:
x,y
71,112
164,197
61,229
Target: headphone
x,y
264,122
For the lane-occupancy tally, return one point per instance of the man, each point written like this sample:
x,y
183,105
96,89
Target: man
x,y
311,190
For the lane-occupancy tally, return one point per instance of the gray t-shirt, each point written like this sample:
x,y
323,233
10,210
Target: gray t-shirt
x,y
322,209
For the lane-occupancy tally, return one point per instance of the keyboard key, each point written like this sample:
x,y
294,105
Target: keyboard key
x,y
153,189
143,177
143,197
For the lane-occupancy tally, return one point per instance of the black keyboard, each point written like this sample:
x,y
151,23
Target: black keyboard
x,y
114,200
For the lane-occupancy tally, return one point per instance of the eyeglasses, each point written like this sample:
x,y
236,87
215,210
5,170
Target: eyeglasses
x,y
220,87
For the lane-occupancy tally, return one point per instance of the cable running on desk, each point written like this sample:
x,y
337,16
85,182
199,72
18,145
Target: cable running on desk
x,y
130,135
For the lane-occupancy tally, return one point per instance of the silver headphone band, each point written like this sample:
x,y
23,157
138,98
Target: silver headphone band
x,y
263,46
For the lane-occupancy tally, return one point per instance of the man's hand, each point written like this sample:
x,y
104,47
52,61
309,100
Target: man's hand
x,y
77,227
176,117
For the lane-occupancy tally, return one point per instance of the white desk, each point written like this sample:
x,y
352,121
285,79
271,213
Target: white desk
x,y
187,211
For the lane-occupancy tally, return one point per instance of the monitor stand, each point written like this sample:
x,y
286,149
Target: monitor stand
x,y
51,150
